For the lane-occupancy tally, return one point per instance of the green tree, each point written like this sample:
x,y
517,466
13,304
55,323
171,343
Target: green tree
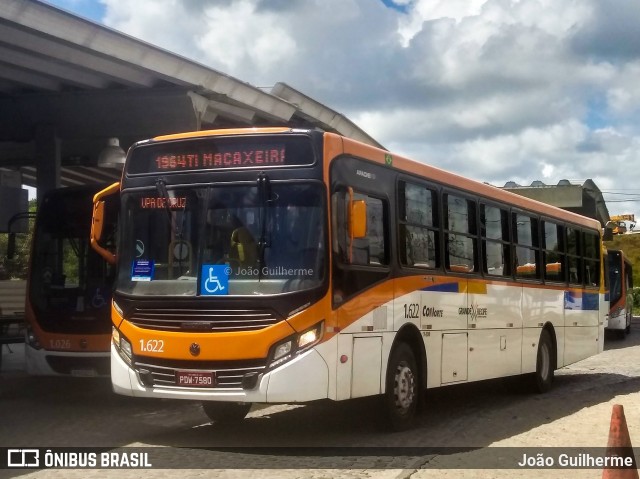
x,y
18,266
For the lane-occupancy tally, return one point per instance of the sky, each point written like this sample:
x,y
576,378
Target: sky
x,y
496,90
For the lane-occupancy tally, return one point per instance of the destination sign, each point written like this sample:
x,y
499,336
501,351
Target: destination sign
x,y
150,202
220,154
233,158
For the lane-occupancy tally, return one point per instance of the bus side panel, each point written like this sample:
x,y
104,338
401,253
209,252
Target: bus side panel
x,y
343,370
582,308
495,330
433,347
366,366
369,315
441,306
494,353
580,343
363,372
539,307
582,324
603,314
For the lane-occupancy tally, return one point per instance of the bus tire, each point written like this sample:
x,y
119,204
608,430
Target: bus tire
x,y
627,330
225,412
402,388
542,379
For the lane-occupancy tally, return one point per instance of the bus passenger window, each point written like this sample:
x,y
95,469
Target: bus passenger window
x,y
527,244
574,260
495,240
591,259
419,236
460,240
553,254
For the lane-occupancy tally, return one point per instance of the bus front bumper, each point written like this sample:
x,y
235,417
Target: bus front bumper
x,y
617,322
42,362
305,378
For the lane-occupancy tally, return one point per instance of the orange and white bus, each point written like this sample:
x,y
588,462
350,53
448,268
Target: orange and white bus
x,y
281,265
620,288
68,289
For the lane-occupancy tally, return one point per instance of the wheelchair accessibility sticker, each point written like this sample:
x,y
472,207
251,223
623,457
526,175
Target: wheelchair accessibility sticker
x,y
214,279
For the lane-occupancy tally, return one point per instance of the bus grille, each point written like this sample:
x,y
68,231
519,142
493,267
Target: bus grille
x,y
203,320
228,374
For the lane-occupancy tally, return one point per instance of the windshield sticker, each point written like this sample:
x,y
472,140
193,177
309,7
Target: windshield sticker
x,y
214,280
139,248
98,301
142,270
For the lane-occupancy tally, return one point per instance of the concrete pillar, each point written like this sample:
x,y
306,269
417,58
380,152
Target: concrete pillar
x,y
47,160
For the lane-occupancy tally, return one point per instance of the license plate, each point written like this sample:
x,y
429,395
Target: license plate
x,y
195,379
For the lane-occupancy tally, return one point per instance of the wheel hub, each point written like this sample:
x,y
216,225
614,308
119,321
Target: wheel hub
x,y
404,387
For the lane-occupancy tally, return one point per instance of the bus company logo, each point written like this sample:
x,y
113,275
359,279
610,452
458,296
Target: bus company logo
x,y
431,312
366,174
23,458
194,349
474,312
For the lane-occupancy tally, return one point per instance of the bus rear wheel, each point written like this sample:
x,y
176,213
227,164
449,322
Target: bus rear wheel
x,y
542,379
402,388
225,412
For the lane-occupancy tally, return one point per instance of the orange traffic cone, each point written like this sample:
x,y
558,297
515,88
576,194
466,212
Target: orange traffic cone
x,y
619,445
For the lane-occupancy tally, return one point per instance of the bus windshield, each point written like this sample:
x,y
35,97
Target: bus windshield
x,y
223,240
69,280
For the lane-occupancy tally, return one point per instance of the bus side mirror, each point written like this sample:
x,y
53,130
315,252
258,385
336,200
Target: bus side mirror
x,y
97,222
608,234
358,219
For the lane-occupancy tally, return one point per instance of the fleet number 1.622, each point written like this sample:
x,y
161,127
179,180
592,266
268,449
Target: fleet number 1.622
x,y
152,346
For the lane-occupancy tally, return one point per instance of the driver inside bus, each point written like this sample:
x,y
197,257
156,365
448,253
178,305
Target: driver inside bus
x,y
228,240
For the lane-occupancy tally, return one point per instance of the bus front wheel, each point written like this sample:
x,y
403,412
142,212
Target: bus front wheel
x,y
402,388
225,412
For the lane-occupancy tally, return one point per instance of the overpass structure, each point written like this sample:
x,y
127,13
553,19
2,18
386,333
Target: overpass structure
x,y
70,88
585,198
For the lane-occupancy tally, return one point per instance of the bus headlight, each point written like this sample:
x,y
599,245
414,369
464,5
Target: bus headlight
x,y
122,345
125,347
310,336
282,349
118,309
293,345
31,339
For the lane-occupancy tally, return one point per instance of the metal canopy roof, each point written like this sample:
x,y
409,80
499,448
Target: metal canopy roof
x,y
87,83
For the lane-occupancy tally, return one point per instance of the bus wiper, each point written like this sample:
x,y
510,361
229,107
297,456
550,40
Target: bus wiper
x,y
161,188
264,199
